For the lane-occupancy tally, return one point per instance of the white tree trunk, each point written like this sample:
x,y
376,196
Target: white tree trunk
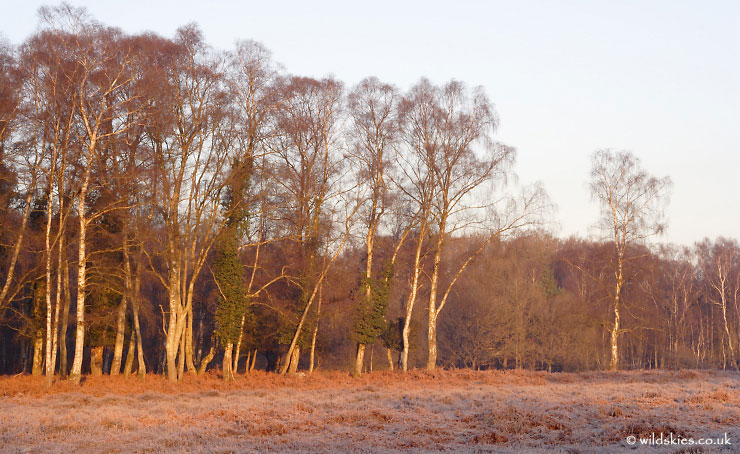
x,y
76,372
235,367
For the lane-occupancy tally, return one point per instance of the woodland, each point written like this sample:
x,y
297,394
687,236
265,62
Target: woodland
x,y
170,208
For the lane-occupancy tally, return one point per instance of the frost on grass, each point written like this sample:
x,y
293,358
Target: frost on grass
x,y
456,411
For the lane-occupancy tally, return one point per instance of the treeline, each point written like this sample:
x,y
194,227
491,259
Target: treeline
x,y
169,207
544,303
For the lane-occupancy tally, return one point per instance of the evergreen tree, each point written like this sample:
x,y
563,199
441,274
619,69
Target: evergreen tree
x,y
370,322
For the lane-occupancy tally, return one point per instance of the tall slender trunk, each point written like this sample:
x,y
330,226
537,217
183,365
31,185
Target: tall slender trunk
x,y
129,365
58,298
47,260
122,307
76,373
614,339
189,348
141,366
181,355
63,367
115,368
312,355
254,360
235,367
370,240
432,340
61,275
411,299
18,242
614,335
389,354
723,300
172,341
433,311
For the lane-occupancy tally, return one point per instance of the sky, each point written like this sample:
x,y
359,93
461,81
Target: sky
x,y
658,78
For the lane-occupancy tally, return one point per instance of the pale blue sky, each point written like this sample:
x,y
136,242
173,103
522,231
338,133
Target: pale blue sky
x,y
659,78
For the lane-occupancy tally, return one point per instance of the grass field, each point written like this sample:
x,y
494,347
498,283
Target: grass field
x,y
454,411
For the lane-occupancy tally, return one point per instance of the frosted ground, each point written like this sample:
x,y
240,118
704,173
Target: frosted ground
x,y
464,411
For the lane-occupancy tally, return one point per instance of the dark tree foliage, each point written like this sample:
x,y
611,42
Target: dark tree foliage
x,y
228,271
370,322
228,274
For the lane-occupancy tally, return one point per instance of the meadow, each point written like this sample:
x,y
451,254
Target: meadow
x,y
453,411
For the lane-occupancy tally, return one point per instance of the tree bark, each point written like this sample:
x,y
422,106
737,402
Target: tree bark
x,y
115,367
235,368
411,299
122,307
96,361
359,360
47,256
432,339
38,353
312,355
207,359
76,373
433,284
18,242
129,366
63,367
228,362
181,355
294,358
172,341
189,348
254,360
614,337
141,366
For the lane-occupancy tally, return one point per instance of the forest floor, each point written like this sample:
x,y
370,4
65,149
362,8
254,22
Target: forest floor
x,y
455,411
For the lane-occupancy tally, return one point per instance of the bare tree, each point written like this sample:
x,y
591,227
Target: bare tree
x,y
252,78
307,171
101,70
191,145
720,265
632,210
455,159
374,136
52,111
21,157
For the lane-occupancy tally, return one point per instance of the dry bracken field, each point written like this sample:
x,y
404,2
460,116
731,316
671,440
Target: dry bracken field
x,y
454,411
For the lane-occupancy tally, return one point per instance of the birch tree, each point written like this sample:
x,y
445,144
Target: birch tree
x,y
21,158
252,76
52,112
632,209
720,265
101,69
191,139
306,172
450,133
374,133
